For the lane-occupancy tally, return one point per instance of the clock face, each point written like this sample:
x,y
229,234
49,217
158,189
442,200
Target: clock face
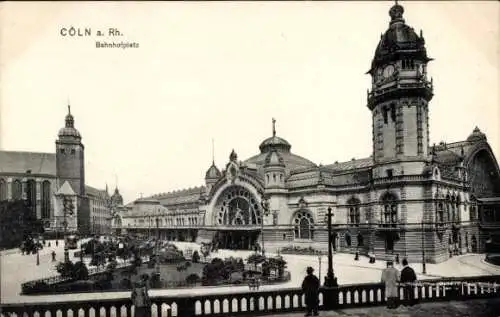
x,y
388,71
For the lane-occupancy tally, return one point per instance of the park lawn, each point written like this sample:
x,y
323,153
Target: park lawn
x,y
168,273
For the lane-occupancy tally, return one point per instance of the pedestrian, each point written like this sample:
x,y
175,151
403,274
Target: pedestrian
x,y
408,277
310,287
140,299
390,277
53,256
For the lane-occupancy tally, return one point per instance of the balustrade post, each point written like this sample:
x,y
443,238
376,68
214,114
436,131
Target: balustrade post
x,y
330,298
186,307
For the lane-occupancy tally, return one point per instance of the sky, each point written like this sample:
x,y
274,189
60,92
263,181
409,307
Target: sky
x,y
222,71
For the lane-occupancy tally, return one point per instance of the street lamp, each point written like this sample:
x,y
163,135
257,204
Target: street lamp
x,y
265,212
319,269
331,280
423,249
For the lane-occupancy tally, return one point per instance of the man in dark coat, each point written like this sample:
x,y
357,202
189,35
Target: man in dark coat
x,y
310,287
408,277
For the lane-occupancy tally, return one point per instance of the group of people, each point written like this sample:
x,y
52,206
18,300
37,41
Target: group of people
x,y
391,277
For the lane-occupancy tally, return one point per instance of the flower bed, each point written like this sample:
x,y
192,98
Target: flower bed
x,y
300,250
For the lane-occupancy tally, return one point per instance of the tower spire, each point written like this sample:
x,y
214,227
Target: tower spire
x,y
274,127
213,152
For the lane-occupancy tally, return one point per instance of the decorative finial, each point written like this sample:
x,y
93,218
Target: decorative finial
x,y
116,181
69,109
274,127
213,152
396,13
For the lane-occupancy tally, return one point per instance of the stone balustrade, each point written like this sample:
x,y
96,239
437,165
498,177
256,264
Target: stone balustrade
x,y
261,302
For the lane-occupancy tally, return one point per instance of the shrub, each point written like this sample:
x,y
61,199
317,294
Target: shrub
x,y
80,271
192,279
65,269
126,283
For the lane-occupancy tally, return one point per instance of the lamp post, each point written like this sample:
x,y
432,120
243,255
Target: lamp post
x,y
157,245
319,269
265,212
423,249
331,280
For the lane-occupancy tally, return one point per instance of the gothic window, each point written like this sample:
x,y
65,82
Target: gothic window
x,y
440,212
3,190
390,212
46,199
17,189
62,151
281,177
385,115
354,215
31,192
303,225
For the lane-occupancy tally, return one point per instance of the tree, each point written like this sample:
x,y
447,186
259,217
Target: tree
x,y
17,223
65,269
80,271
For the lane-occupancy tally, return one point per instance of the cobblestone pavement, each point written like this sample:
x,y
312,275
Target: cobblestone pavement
x,y
471,308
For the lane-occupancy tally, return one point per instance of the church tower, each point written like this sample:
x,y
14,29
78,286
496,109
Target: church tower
x,y
70,164
399,99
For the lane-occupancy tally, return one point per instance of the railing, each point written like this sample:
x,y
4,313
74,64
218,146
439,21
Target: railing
x,y
261,302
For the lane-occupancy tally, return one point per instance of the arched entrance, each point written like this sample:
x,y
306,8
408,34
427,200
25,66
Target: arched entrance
x,y
237,214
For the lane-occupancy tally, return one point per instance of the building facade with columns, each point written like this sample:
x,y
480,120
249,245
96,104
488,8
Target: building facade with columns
x,y
55,182
409,197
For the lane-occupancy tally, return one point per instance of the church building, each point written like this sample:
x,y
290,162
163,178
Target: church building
x,y
54,183
408,196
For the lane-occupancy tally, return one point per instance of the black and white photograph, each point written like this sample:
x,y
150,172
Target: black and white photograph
x,y
249,158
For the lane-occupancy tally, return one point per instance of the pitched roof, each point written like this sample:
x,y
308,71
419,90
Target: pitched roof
x,y
66,189
350,165
177,197
101,193
20,162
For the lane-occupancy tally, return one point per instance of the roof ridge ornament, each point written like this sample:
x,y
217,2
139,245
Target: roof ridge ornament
x,y
274,127
396,13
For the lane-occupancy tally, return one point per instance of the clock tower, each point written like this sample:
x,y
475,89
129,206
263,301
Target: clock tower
x,y
399,99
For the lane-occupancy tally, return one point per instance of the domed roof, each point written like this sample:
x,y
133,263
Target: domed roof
x,y
399,39
69,129
274,142
213,172
476,135
273,158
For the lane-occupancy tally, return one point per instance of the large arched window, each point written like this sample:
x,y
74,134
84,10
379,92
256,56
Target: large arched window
x,y
354,217
3,190
46,200
390,211
303,225
236,206
17,189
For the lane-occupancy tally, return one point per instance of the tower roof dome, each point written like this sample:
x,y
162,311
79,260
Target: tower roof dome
x,y
274,142
213,172
399,40
69,129
476,135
